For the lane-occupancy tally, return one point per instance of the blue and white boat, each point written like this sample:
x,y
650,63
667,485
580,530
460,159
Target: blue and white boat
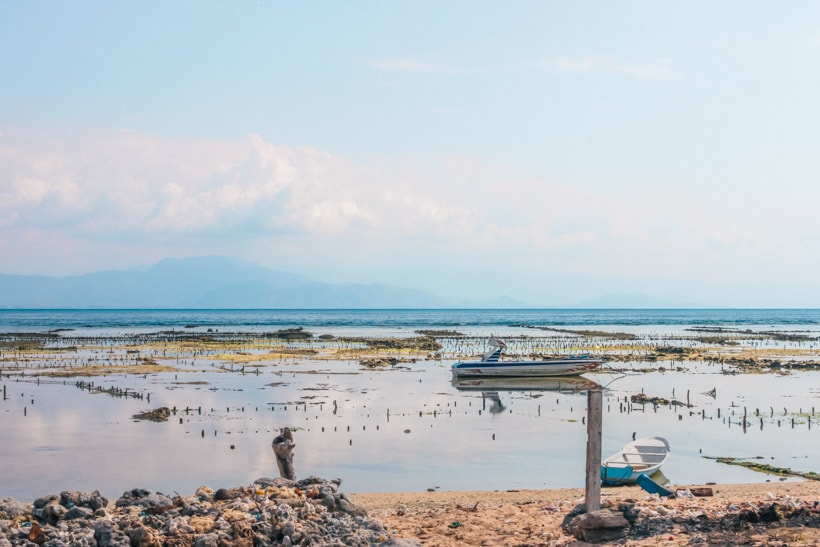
x,y
492,365
643,456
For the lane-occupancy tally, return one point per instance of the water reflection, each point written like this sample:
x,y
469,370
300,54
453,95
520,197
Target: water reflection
x,y
378,429
572,384
496,406
490,387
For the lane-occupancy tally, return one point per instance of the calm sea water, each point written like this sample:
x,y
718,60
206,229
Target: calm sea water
x,y
16,320
405,429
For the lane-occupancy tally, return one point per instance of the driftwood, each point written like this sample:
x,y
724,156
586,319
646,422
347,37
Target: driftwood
x,y
283,446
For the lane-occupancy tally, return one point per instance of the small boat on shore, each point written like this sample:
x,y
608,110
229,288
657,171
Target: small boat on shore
x,y
643,456
492,365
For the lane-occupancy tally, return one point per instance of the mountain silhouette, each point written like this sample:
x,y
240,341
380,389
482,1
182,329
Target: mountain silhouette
x,y
202,282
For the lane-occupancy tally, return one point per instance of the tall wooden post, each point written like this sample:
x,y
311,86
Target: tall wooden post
x,y
592,495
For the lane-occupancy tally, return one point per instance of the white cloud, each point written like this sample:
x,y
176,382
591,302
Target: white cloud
x,y
132,183
9,219
133,186
122,199
652,69
26,191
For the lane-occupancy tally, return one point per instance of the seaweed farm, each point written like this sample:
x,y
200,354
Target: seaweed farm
x,y
114,407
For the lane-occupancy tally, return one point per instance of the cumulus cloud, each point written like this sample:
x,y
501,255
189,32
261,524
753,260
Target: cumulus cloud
x,y
130,182
146,191
129,199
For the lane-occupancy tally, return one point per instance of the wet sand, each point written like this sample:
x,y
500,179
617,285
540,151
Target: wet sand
x,y
534,517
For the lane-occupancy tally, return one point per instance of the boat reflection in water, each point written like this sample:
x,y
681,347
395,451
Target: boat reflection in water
x,y
551,383
490,387
496,405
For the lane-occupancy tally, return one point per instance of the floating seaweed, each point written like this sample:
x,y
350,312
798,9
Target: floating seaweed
x,y
766,468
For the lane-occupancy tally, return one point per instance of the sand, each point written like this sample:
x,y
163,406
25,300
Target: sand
x,y
534,517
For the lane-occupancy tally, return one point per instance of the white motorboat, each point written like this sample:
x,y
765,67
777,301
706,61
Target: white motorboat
x,y
492,365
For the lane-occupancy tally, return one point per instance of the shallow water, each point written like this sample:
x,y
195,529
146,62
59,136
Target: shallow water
x,y
402,429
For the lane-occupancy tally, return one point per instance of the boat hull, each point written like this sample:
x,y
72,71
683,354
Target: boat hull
x,y
614,474
643,456
530,369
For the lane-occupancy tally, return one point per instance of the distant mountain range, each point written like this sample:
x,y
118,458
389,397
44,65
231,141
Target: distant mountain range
x,y
210,282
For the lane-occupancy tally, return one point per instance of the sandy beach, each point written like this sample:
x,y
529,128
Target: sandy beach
x,y
534,517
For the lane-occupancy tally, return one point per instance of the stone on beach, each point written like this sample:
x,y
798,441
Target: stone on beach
x,y
277,511
598,526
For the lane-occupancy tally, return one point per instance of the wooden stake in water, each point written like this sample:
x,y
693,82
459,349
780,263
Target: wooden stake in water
x,y
592,494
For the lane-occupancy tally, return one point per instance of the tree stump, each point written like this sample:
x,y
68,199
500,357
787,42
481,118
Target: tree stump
x,y
283,446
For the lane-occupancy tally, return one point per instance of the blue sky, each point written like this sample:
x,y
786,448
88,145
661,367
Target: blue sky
x,y
551,151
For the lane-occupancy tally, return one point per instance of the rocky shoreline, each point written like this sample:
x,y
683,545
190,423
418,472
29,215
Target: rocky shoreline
x,y
276,511
313,512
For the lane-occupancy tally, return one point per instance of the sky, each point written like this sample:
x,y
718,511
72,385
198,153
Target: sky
x,y
553,152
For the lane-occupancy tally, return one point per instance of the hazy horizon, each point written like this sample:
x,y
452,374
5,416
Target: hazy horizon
x,y
228,277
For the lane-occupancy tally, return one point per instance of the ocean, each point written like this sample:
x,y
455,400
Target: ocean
x,y
16,320
406,428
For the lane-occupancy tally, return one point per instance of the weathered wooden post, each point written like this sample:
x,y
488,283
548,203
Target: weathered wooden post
x,y
596,525
283,446
592,495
